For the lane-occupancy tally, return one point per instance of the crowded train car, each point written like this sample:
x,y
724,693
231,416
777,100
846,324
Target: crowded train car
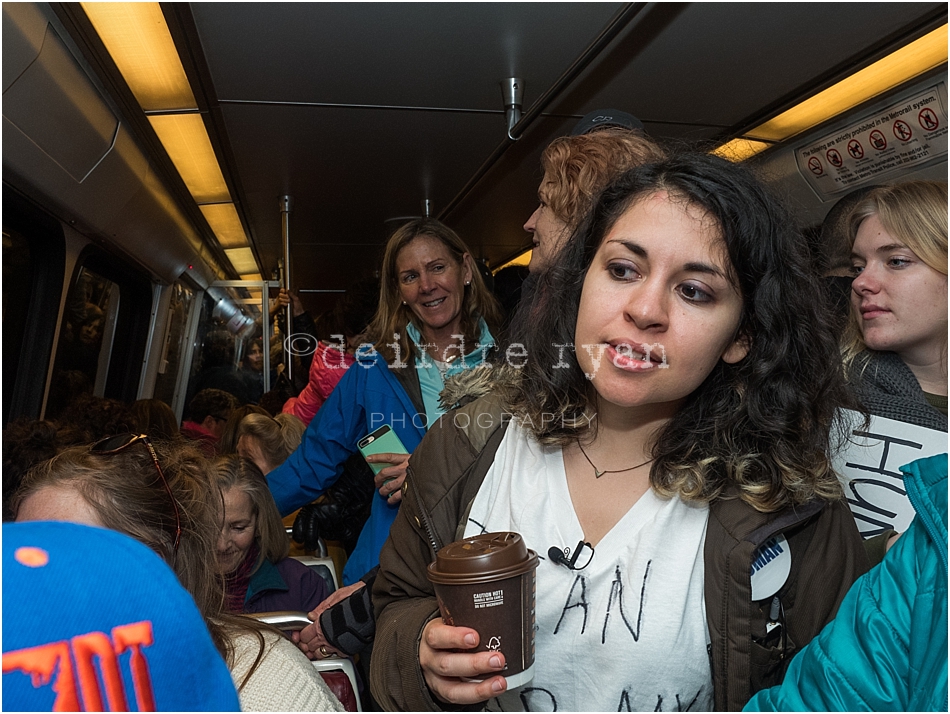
x,y
629,320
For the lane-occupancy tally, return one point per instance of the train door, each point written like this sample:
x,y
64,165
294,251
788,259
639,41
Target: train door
x,y
172,334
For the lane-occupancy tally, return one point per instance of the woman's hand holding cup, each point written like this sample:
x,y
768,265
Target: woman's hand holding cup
x,y
444,663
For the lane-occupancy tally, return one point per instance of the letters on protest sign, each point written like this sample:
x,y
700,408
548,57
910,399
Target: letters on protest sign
x,y
869,468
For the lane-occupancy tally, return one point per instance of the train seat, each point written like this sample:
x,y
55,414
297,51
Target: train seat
x,y
338,672
324,567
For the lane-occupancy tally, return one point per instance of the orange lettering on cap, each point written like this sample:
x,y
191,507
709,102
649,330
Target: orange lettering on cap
x,y
40,663
31,556
98,645
134,637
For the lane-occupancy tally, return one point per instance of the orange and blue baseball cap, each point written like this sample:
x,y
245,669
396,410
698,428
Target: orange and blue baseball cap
x,y
95,621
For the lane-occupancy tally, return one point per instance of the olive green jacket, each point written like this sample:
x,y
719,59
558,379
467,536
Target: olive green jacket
x,y
445,473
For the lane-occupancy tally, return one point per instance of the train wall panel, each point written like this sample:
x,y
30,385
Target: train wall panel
x,y
782,172
24,29
54,104
64,147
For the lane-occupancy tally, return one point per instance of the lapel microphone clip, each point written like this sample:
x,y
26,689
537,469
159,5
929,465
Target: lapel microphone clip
x,y
560,557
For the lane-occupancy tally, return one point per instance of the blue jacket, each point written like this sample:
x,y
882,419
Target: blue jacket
x,y
368,396
886,650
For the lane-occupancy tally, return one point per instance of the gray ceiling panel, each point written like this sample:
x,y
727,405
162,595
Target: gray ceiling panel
x,y
712,64
405,54
362,110
349,169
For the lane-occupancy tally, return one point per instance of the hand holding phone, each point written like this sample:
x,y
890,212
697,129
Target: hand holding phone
x,y
388,459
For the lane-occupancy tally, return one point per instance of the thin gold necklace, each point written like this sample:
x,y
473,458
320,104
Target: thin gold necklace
x,y
598,473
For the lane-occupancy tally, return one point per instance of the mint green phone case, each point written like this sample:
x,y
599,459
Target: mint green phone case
x,y
382,441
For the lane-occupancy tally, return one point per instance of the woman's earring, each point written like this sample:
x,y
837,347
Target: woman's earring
x,y
404,302
468,282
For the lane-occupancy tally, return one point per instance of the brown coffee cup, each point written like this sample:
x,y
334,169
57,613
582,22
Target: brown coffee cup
x,y
487,583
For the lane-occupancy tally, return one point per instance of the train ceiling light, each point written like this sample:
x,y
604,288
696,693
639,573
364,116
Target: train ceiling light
x,y
900,66
137,37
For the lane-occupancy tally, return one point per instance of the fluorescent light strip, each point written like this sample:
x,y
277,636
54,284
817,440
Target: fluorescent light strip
x,y
137,37
242,259
522,259
186,140
898,67
224,221
741,149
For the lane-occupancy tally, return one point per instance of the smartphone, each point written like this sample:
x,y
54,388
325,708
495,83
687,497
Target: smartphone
x,y
382,441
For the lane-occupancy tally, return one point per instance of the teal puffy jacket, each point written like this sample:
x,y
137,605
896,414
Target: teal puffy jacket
x,y
886,650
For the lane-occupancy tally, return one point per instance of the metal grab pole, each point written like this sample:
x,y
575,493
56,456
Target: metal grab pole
x,y
286,204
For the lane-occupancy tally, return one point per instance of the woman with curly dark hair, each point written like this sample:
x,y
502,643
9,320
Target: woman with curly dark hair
x,y
673,418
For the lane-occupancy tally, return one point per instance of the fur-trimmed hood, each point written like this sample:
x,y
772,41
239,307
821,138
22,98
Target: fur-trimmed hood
x,y
470,384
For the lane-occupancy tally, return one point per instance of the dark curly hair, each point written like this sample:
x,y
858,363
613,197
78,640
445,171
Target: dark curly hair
x,y
766,423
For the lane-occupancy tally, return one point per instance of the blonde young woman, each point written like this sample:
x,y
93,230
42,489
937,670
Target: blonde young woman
x,y
896,342
164,496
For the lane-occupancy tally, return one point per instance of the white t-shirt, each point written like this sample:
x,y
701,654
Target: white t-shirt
x,y
626,633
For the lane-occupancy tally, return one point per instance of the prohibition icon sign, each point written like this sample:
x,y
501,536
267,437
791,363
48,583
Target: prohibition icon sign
x,y
928,119
902,130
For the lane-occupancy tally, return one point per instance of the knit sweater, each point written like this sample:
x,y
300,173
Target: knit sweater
x,y
284,681
889,389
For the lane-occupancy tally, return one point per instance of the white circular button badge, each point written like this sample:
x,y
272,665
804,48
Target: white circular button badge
x,y
771,564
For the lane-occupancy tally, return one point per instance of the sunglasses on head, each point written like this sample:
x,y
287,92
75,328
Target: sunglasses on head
x,y
114,444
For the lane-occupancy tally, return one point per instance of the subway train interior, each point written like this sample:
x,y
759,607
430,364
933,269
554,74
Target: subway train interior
x,y
158,156
170,168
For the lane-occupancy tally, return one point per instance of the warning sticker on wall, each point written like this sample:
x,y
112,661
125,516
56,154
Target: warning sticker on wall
x,y
905,135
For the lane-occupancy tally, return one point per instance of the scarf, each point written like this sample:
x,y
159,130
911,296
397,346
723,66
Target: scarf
x,y
236,582
889,389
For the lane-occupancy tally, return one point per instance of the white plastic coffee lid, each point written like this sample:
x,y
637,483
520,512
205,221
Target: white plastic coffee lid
x,y
771,564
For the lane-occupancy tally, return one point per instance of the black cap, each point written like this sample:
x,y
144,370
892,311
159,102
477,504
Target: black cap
x,y
604,118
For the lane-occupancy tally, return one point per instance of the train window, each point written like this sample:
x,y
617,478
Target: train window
x,y
227,330
85,340
34,254
17,278
175,342
102,334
